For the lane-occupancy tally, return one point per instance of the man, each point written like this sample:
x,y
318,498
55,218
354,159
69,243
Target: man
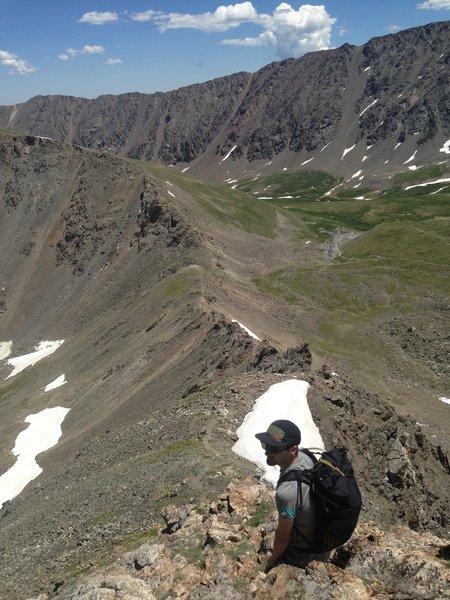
x,y
296,512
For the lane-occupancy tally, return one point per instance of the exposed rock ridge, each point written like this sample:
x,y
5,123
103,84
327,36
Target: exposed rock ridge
x,y
218,550
393,89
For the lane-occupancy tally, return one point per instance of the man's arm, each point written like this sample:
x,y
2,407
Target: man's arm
x,y
281,541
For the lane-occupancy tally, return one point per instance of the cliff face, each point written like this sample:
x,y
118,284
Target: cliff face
x,y
390,94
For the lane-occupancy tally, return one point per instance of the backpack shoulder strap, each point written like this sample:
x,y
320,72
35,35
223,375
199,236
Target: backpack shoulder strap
x,y
311,455
294,475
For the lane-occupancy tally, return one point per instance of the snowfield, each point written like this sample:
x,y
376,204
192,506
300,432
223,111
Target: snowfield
x,y
286,400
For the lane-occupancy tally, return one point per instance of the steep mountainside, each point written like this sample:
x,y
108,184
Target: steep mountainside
x,y
141,270
385,101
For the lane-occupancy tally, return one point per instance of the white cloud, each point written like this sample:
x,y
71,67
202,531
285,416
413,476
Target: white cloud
x,y
222,19
114,61
92,50
99,18
393,28
142,17
88,49
434,4
17,66
291,32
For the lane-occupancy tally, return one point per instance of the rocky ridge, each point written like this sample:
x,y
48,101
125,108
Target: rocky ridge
x,y
402,476
389,95
218,550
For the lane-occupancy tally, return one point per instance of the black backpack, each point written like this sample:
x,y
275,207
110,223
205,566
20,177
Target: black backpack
x,y
335,494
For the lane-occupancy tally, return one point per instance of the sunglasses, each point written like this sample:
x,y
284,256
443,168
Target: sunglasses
x,y
273,449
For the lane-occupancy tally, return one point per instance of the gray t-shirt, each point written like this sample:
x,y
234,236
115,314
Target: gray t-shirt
x,y
287,500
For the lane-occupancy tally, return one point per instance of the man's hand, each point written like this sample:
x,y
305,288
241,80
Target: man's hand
x,y
281,541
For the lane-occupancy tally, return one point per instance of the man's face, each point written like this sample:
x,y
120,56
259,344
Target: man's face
x,y
276,455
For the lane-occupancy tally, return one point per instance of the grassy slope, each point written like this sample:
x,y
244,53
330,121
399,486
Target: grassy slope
x,y
226,206
402,256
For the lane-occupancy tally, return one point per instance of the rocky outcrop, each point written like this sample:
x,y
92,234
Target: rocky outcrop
x,y
218,550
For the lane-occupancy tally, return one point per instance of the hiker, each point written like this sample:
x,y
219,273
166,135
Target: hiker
x,y
296,520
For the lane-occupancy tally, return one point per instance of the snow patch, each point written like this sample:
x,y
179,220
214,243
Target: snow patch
x,y
397,145
185,169
365,157
347,150
326,146
246,329
305,162
229,153
439,190
444,180
367,107
355,175
42,350
445,148
171,193
43,432
5,349
444,399
286,400
58,382
411,158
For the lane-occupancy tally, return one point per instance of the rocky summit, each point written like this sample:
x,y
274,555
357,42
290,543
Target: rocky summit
x,y
170,303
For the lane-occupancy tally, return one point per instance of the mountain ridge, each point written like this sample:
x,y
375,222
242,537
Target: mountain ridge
x,y
388,96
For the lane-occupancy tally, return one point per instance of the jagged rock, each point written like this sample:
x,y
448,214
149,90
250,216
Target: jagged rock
x,y
146,555
175,516
291,361
219,532
124,587
400,471
244,496
403,562
397,563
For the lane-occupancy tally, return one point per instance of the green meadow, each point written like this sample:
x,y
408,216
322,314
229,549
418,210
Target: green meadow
x,y
400,255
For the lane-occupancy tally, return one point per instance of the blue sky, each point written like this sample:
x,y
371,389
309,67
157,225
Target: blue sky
x,y
92,47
